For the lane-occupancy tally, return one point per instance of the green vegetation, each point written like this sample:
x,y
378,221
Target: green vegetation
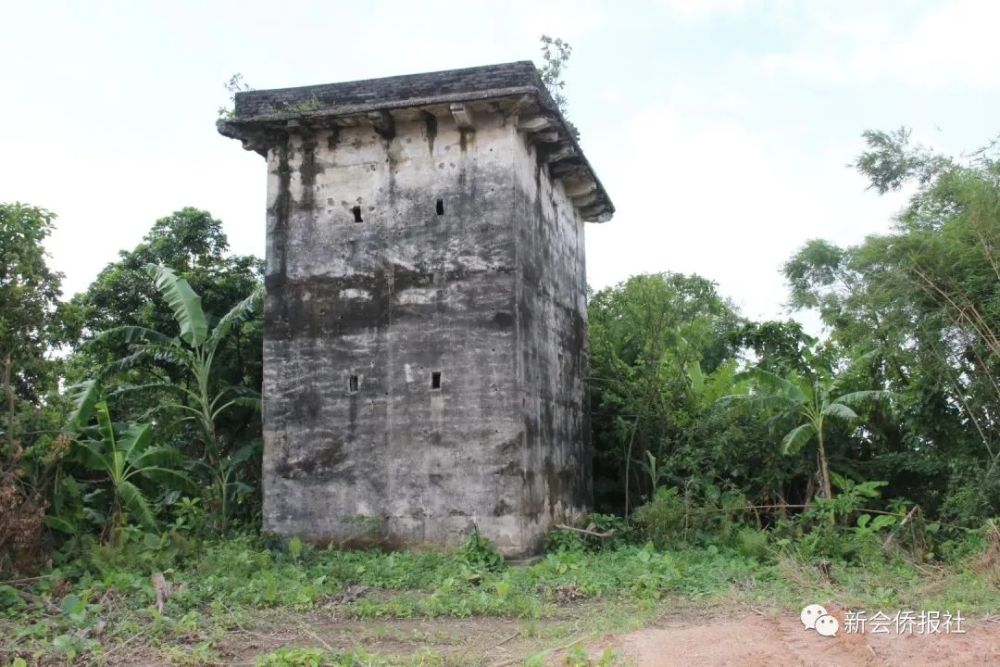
x,y
808,400
688,395
215,587
201,399
119,453
735,461
555,55
235,84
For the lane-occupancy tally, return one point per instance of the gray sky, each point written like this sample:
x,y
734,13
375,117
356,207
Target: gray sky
x,y
721,128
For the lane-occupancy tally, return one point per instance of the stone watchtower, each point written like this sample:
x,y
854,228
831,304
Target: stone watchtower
x,y
425,326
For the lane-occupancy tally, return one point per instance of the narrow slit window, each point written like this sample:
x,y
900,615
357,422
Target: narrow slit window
x,y
440,207
352,384
436,380
357,214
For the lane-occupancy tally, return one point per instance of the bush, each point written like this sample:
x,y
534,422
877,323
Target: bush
x,y
661,520
617,531
478,553
704,515
752,543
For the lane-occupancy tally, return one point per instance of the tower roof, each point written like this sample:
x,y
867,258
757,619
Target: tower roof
x,y
263,116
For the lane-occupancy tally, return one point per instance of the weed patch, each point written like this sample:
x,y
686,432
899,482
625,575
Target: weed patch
x,y
108,601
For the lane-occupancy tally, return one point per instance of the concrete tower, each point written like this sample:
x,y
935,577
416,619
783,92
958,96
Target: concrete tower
x,y
425,341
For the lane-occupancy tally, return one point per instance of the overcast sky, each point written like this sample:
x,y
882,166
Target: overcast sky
x,y
721,128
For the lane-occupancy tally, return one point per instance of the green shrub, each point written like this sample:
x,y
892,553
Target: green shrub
x,y
752,543
661,520
480,554
621,534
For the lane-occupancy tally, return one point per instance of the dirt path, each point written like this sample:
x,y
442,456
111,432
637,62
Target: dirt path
x,y
696,637
769,639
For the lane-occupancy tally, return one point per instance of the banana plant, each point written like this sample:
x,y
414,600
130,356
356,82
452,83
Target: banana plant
x,y
194,350
122,452
812,401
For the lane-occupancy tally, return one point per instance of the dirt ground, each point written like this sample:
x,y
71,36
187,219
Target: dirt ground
x,y
748,637
769,639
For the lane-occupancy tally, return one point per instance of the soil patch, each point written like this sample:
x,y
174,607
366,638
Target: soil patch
x,y
771,638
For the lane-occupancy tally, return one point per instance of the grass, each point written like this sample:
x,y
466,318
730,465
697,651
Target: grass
x,y
102,607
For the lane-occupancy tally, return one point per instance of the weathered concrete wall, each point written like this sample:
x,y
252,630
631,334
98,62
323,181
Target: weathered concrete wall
x,y
425,322
390,300
552,330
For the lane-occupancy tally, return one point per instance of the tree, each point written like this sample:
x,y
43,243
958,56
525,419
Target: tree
x,y
236,84
647,335
778,347
555,54
29,299
922,304
194,352
811,402
193,244
30,326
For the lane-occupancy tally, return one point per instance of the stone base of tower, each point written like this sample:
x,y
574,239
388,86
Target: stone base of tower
x,y
514,537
